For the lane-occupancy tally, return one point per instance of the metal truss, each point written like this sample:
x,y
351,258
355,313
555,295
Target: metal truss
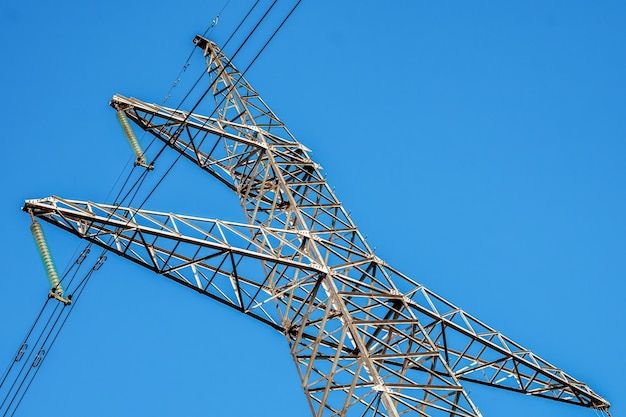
x,y
366,339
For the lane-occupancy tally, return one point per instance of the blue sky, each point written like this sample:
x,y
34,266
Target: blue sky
x,y
481,147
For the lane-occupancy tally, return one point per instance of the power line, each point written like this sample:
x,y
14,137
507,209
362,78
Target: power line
x,y
78,292
208,89
56,317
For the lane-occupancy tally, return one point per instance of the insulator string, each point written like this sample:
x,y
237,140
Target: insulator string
x,y
204,94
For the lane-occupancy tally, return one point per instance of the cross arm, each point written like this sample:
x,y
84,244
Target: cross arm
x,y
220,147
217,258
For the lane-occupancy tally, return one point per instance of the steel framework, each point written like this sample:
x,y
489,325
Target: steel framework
x,y
367,340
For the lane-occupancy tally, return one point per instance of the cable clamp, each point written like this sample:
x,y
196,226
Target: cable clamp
x,y
54,293
99,262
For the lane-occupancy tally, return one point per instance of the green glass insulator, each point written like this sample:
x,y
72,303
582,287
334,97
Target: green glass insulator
x,y
132,140
46,258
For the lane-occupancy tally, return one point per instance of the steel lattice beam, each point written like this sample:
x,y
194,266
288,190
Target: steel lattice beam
x,y
203,254
368,341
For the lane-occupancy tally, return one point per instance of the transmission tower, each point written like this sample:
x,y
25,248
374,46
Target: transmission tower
x,y
367,340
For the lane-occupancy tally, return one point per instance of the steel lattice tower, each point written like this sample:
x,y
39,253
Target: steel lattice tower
x,y
367,340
